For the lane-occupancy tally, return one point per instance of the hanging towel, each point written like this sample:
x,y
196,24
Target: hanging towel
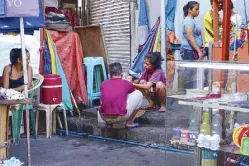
x,y
52,53
47,68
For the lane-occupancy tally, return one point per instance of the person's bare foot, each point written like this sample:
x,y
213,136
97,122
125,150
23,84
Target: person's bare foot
x,y
162,109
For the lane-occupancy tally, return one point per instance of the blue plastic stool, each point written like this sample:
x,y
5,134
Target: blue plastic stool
x,y
93,66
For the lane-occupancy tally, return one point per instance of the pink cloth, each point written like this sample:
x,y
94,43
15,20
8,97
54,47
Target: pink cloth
x,y
70,52
114,94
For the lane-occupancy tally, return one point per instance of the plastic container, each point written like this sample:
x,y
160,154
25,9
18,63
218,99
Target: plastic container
x,y
51,89
194,124
239,133
217,124
205,127
245,146
209,158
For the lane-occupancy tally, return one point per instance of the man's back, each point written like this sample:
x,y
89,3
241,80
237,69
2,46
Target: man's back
x,y
114,94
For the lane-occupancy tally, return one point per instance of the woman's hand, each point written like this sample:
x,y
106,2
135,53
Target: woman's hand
x,y
201,56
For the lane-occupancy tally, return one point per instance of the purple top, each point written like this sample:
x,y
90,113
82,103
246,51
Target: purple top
x,y
153,77
114,94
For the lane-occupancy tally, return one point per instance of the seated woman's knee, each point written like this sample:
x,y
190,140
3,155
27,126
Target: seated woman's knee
x,y
160,85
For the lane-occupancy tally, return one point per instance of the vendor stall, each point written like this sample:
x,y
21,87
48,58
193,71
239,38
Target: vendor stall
x,y
215,124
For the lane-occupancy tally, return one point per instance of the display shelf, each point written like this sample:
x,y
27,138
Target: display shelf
x,y
229,149
212,103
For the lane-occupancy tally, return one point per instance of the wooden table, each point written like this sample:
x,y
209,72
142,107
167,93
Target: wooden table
x,y
4,123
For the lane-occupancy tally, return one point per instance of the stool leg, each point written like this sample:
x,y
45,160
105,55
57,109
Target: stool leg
x,y
47,123
90,83
59,121
97,76
54,120
32,122
50,122
104,71
37,121
65,120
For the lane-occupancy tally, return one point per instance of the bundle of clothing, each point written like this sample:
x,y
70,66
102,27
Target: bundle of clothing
x,y
69,14
10,94
52,17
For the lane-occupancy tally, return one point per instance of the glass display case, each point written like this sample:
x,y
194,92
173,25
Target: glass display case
x,y
209,102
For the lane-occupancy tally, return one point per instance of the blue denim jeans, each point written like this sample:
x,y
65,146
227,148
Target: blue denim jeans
x,y
189,73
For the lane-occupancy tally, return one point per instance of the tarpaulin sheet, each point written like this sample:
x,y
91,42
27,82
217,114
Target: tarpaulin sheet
x,y
2,8
12,24
70,52
22,8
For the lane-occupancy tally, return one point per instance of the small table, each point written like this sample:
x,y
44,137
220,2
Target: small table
x,y
4,123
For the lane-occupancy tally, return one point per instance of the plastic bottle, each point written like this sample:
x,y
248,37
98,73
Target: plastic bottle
x,y
205,127
194,124
217,124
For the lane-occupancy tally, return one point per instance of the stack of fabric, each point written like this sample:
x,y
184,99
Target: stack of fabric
x,y
52,17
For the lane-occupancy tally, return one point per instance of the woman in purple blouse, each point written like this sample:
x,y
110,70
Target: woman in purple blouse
x,y
153,80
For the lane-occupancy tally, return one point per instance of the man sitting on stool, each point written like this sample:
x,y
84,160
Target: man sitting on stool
x,y
120,100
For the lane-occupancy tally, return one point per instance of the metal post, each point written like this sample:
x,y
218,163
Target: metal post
x,y
25,74
163,35
226,30
216,20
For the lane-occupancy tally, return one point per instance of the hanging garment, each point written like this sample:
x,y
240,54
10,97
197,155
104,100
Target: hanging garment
x,y
70,53
66,99
52,53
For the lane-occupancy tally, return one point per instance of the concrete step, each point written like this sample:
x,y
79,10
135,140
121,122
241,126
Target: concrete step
x,y
143,133
176,114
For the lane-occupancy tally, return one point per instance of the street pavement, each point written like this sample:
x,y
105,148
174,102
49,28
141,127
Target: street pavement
x,y
73,151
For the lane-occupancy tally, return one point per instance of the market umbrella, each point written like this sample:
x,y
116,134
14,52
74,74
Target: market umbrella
x,y
21,9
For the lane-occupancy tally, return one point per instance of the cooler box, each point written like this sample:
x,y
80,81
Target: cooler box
x,y
51,89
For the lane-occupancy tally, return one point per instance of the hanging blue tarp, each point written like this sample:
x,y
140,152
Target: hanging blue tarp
x,y
170,14
2,8
12,24
138,67
22,8
143,23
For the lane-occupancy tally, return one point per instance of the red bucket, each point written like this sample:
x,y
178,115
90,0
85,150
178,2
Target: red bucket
x,y
51,89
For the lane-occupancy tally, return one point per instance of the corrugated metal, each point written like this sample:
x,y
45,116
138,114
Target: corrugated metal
x,y
114,16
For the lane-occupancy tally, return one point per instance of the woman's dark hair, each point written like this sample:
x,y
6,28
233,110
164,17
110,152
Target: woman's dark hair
x,y
115,69
156,59
189,5
15,54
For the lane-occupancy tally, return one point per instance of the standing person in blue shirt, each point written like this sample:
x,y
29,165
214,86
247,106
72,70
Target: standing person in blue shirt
x,y
191,41
192,44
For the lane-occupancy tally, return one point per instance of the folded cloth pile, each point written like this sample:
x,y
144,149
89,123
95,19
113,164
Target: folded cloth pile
x,y
52,17
13,162
10,94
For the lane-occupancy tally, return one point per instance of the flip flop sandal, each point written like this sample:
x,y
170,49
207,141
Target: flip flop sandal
x,y
148,107
134,125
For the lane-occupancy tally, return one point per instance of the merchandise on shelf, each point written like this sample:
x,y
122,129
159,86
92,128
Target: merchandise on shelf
x,y
205,127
